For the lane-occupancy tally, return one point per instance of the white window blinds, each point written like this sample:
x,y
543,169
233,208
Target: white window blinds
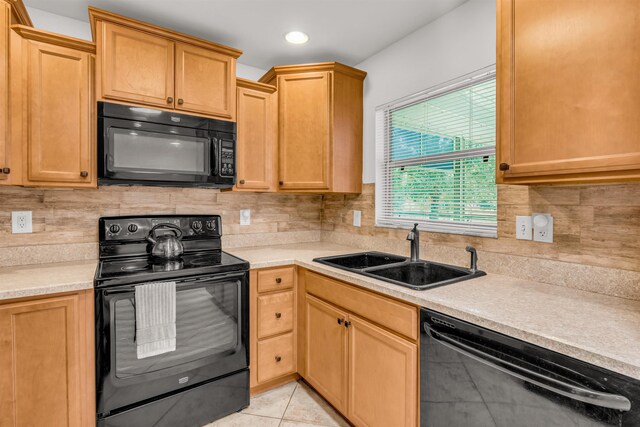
x,y
435,158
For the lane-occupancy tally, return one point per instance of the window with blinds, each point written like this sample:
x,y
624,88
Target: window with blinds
x,y
435,158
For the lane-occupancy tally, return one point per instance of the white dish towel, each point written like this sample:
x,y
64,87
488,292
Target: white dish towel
x,y
155,318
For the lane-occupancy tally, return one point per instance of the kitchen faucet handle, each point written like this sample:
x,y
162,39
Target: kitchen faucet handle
x,y
474,258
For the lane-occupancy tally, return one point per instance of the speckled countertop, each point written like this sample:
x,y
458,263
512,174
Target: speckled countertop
x,y
595,328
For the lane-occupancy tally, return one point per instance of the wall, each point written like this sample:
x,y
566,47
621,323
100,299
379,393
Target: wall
x,y
456,44
65,222
75,28
596,236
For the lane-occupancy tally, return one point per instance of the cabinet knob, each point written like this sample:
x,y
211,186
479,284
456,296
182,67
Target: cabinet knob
x,y
347,324
504,166
340,321
278,358
170,100
281,182
242,181
278,280
6,171
84,174
180,101
278,315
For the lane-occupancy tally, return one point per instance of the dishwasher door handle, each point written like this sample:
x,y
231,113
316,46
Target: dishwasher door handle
x,y
593,397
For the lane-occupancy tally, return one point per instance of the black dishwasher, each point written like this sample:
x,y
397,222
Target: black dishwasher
x,y
474,377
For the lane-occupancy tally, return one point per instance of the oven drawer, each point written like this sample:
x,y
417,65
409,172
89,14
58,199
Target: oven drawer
x,y
275,279
275,357
275,313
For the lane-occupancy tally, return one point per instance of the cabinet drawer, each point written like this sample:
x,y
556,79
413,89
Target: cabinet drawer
x,y
278,278
275,357
275,313
399,317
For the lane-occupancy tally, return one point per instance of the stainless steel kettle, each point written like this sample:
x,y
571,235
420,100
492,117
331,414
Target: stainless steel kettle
x,y
168,245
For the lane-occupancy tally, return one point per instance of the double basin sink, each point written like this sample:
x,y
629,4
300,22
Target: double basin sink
x,y
418,275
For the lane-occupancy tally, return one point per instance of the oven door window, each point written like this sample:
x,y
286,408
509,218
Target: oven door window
x,y
146,152
206,327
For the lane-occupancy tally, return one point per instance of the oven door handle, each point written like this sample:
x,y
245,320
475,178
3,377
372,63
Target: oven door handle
x,y
213,278
592,397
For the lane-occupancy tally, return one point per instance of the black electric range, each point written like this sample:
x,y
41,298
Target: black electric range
x,y
207,376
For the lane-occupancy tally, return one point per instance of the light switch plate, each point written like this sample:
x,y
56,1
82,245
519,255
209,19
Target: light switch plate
x,y
524,228
542,227
21,222
357,218
245,216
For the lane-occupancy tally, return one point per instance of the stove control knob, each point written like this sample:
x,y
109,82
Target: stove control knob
x,y
211,225
132,228
114,229
196,225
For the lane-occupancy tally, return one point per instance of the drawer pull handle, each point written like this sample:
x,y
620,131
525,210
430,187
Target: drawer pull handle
x,y
278,315
278,358
278,280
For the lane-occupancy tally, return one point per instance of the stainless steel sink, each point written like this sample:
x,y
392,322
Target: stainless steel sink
x,y
419,275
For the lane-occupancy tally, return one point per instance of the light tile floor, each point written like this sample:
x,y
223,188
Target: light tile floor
x,y
290,405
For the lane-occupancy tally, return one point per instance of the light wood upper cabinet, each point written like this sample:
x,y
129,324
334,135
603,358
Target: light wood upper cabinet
x,y
568,91
5,136
47,362
55,107
143,64
205,81
326,352
256,158
319,127
383,376
135,66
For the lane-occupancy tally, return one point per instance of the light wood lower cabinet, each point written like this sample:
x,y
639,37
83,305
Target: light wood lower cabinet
x,y
326,352
47,374
366,371
272,327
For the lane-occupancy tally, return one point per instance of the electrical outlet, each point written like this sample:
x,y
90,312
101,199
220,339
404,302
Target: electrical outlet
x,y
357,218
21,222
524,228
245,216
542,227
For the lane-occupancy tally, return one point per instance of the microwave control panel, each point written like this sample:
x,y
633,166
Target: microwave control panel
x,y
227,158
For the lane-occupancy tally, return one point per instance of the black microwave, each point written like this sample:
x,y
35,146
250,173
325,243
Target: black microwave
x,y
144,146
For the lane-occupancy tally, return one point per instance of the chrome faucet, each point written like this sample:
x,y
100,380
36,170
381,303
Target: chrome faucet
x,y
474,258
414,236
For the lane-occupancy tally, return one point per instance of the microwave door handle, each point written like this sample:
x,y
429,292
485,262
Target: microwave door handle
x,y
215,156
592,397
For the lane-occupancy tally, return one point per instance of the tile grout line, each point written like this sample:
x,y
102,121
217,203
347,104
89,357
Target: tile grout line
x,y
288,403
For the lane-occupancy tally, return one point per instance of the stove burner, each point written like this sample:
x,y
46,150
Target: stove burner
x,y
134,268
202,260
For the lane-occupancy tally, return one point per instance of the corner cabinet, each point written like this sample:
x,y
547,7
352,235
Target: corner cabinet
x,y
319,127
47,361
142,64
53,110
360,352
257,140
568,95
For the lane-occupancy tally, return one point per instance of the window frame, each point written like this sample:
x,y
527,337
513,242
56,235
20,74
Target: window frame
x,y
384,165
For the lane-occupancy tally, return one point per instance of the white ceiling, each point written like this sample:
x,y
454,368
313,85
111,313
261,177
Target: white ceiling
x,y
347,31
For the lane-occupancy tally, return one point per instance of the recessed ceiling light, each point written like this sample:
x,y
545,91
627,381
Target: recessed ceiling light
x,y
296,37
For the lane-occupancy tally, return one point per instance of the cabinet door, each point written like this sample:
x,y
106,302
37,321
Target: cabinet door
x,y
136,66
305,131
569,92
5,17
383,377
205,82
46,362
326,351
256,141
60,105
